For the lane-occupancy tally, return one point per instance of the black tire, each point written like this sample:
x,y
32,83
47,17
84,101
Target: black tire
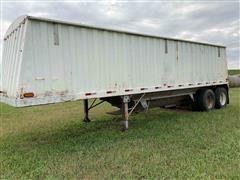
x,y
221,96
195,106
206,100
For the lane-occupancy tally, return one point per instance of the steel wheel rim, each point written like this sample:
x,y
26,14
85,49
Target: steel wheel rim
x,y
222,98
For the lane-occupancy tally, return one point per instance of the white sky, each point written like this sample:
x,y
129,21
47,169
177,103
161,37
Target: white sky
x,y
206,21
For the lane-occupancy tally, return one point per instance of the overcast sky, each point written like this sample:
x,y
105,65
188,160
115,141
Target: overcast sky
x,y
213,22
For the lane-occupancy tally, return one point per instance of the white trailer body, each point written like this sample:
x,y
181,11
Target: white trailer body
x,y
48,61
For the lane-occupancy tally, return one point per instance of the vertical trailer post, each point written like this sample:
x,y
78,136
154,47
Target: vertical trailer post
x,y
85,107
125,112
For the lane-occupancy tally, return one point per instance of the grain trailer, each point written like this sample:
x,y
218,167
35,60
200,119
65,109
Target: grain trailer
x,y
50,61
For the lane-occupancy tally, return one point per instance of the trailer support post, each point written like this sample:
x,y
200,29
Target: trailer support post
x,y
125,111
85,107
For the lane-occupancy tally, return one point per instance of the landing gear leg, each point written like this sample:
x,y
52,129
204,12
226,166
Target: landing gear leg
x,y
85,106
125,112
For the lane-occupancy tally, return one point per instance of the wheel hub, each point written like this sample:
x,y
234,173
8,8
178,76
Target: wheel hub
x,y
222,98
209,102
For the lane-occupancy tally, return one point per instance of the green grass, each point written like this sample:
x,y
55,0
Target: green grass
x,y
233,71
51,142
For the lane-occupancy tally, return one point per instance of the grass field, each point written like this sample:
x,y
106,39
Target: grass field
x,y
233,71
52,142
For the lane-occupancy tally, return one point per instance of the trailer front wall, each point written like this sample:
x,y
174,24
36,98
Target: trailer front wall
x,y
61,60
11,60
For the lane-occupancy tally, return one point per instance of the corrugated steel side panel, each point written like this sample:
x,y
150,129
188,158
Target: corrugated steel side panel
x,y
95,61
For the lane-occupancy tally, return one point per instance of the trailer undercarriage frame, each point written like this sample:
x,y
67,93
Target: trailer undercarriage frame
x,y
143,100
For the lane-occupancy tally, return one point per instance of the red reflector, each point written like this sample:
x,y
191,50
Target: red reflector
x,y
28,94
128,90
109,92
89,94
